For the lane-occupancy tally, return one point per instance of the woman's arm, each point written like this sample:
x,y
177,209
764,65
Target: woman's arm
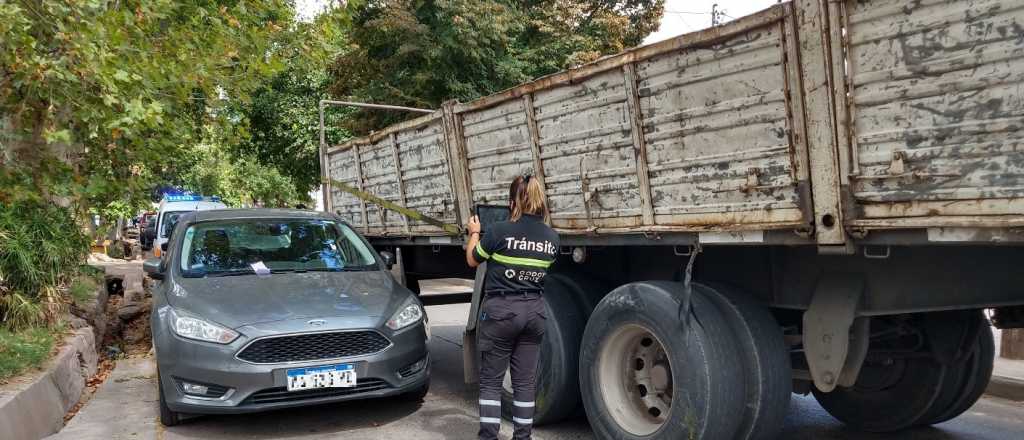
x,y
473,226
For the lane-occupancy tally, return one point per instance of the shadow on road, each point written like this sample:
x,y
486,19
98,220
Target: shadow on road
x,y
322,419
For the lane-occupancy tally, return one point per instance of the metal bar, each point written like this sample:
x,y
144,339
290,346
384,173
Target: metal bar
x,y
531,125
359,181
398,177
639,143
324,163
816,76
364,197
375,106
458,166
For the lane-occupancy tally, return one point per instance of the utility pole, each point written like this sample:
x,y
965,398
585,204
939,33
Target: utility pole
x,y
717,15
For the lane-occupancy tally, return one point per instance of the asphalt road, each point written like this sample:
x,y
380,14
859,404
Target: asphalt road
x,y
449,411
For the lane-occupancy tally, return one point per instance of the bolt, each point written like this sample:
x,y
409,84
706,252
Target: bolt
x,y
828,377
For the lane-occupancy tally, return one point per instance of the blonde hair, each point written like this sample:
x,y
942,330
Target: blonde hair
x,y
526,196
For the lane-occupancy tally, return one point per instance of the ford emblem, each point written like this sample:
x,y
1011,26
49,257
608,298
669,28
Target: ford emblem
x,y
316,322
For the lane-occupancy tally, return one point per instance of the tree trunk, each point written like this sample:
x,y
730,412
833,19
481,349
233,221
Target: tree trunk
x,y
1012,344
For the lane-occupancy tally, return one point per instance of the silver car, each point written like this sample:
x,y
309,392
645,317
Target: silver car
x,y
263,309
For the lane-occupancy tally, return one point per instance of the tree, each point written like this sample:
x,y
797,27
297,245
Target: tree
x,y
421,53
102,98
282,116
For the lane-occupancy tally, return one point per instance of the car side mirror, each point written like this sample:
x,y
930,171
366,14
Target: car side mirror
x,y
152,268
389,259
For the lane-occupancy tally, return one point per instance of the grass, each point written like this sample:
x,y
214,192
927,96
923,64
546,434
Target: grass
x,y
25,349
83,288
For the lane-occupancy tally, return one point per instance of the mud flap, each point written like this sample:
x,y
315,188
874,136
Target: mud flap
x,y
470,355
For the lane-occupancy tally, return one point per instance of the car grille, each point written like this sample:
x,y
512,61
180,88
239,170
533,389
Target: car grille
x,y
313,347
281,394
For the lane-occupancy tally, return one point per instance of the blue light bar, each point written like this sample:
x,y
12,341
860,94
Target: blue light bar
x,y
183,198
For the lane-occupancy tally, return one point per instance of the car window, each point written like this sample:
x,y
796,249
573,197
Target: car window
x,y
170,219
281,245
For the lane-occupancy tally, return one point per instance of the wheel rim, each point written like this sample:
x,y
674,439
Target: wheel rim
x,y
635,379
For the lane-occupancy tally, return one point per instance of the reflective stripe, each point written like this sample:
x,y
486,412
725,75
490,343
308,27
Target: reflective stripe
x,y
490,420
519,261
480,250
522,421
522,404
490,402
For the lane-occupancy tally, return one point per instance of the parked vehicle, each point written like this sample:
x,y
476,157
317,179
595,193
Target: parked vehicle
x,y
821,197
171,208
147,229
263,309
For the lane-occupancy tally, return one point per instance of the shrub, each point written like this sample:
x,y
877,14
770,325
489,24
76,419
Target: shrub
x,y
41,248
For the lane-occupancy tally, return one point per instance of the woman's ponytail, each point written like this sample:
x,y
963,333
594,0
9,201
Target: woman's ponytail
x,y
527,197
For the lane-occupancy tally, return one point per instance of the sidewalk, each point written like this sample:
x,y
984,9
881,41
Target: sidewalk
x,y
1007,376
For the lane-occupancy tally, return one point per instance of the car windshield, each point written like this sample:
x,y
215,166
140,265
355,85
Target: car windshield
x,y
169,221
240,247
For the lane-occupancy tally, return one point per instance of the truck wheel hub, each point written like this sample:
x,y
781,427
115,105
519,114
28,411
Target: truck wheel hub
x,y
635,378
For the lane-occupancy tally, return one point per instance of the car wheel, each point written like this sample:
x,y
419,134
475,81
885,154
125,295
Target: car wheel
x,y
167,417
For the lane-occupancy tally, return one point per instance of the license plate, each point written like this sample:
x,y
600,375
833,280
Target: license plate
x,y
330,376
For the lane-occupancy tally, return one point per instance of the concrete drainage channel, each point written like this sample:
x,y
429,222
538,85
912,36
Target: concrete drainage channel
x,y
112,326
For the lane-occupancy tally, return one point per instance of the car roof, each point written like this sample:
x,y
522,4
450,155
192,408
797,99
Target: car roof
x,y
258,213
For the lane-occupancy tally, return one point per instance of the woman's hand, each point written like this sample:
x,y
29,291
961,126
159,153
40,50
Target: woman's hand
x,y
473,229
473,226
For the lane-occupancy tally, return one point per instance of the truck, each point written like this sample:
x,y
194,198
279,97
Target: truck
x,y
825,197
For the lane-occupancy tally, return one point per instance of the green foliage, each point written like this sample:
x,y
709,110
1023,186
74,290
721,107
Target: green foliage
x,y
421,53
282,116
104,96
41,247
22,350
239,180
83,288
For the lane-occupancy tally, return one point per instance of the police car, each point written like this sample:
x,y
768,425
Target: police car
x,y
174,206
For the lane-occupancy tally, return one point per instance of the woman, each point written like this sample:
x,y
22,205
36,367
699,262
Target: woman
x,y
519,253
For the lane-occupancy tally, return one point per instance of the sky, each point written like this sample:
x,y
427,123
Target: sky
x,y
681,16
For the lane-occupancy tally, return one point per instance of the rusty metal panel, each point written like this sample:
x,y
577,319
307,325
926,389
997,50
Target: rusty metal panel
x,y
937,111
342,167
717,130
497,142
423,157
586,147
378,173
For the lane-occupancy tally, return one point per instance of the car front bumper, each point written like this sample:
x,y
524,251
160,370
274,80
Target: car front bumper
x,y
260,387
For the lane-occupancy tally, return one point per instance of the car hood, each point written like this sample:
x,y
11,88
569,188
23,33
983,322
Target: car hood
x,y
236,301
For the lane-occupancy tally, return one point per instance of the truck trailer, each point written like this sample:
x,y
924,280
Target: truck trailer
x,y
825,197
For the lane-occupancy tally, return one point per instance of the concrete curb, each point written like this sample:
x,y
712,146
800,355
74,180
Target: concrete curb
x,y
35,407
1006,387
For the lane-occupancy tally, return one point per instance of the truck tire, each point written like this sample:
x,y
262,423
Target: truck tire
x,y
558,389
646,376
765,361
891,393
977,373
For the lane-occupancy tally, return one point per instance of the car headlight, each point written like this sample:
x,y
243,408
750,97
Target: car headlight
x,y
408,314
192,327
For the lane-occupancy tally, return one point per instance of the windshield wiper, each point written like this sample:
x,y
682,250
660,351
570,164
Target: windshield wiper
x,y
230,273
288,270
